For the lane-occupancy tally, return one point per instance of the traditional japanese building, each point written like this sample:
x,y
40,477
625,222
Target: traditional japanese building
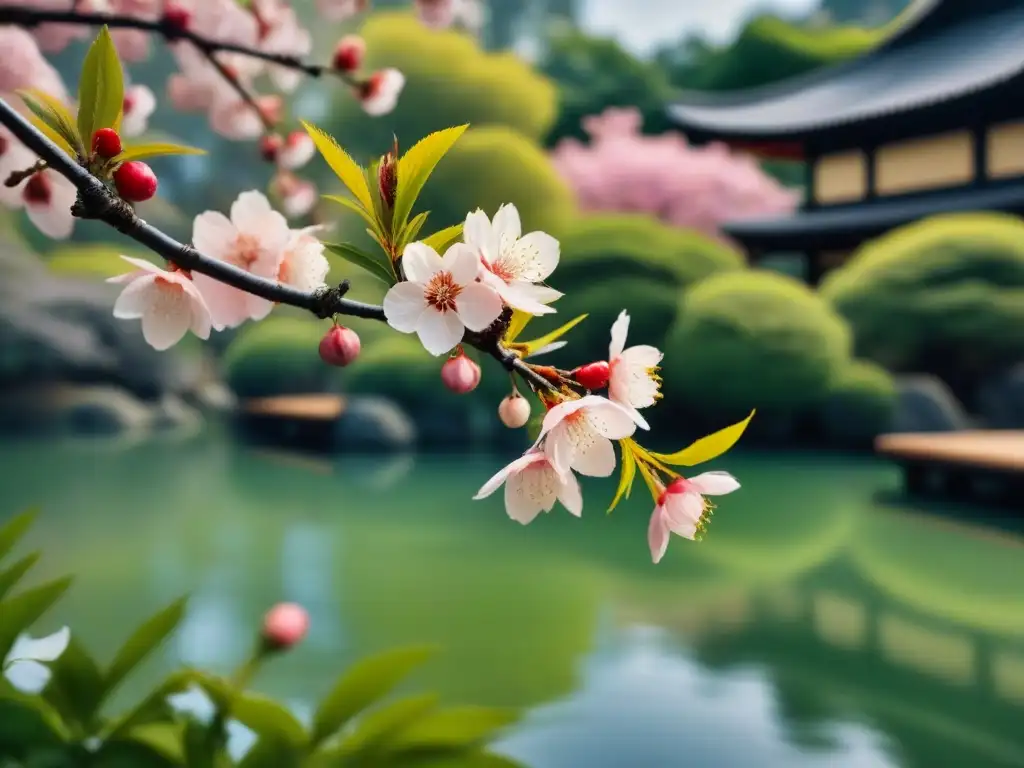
x,y
930,121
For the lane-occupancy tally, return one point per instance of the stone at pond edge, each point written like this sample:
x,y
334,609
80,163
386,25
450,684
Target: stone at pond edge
x,y
925,404
373,425
1001,399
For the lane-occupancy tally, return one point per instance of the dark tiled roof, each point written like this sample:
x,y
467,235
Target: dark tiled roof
x,y
925,64
844,226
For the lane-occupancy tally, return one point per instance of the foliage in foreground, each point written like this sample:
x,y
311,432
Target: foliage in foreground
x,y
53,713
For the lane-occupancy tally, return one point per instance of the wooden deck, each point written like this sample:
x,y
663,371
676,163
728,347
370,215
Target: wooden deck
x,y
975,465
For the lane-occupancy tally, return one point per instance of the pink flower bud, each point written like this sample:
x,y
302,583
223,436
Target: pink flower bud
x,y
460,374
514,411
349,53
285,625
177,16
270,145
339,346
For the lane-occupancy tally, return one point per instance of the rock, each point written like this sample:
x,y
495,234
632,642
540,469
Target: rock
x,y
925,404
173,413
374,424
1001,399
213,396
98,410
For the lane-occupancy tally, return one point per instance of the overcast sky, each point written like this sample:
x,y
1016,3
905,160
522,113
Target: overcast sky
x,y
642,24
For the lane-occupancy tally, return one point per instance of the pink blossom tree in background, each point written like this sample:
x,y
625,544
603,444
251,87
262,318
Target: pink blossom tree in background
x,y
699,188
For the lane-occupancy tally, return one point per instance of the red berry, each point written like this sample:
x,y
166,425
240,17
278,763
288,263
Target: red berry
x,y
270,145
593,375
340,346
176,16
135,181
349,53
106,143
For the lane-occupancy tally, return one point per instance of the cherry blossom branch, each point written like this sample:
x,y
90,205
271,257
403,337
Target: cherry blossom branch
x,y
97,201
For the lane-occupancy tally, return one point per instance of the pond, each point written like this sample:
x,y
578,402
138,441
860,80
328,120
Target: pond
x,y
817,625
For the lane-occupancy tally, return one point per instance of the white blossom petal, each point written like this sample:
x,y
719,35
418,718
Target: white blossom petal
x,y
714,483
404,304
522,296
478,306
167,318
507,226
534,257
530,492
214,235
478,233
49,648
462,262
420,262
594,456
658,534
439,332
513,468
133,301
620,328
570,496
28,677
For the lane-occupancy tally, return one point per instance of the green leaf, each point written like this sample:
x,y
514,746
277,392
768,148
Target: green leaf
x,y
455,728
443,239
27,722
415,167
165,739
76,686
59,122
345,168
272,753
152,709
352,205
24,609
374,731
141,151
627,476
100,88
131,754
412,229
363,260
364,683
463,760
146,639
517,325
266,717
707,448
381,214
531,347
14,529
11,576
53,136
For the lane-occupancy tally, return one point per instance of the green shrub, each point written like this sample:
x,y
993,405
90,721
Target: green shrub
x,y
859,405
450,81
608,247
96,262
753,340
491,166
397,367
278,356
945,295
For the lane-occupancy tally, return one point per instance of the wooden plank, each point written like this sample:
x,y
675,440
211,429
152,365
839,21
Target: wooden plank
x,y
314,407
996,450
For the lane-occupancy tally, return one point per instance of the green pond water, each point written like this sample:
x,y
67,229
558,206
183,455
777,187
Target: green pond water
x,y
817,625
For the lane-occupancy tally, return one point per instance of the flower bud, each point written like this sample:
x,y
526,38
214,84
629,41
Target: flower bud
x,y
39,189
460,374
284,626
176,16
135,181
387,177
593,375
106,143
270,145
514,411
349,53
340,346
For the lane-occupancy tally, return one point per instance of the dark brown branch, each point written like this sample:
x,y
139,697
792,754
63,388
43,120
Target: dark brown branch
x,y
97,201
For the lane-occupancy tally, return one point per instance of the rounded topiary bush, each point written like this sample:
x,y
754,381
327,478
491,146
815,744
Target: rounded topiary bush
x,y
620,245
753,340
944,296
278,356
488,167
860,404
450,81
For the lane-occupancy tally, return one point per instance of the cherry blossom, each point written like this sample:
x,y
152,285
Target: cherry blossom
x,y
439,14
46,196
341,10
25,667
379,94
304,265
139,105
254,239
280,33
168,303
513,263
533,485
297,150
440,297
682,509
578,434
298,196
22,66
633,380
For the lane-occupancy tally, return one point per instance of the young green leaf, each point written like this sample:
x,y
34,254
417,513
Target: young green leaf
x,y
627,476
415,167
443,239
142,151
76,685
12,575
531,347
162,738
344,167
412,229
136,752
269,752
475,759
363,260
454,729
517,325
18,613
152,709
266,717
57,119
146,639
100,88
373,732
365,682
27,723
707,448
15,528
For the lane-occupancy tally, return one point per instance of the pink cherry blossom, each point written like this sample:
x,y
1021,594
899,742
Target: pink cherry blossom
x,y
533,485
341,10
133,44
139,104
682,510
297,196
22,66
297,150
46,196
440,298
285,625
578,434
633,381
255,239
439,14
304,265
513,263
684,186
281,33
168,303
14,156
53,38
379,94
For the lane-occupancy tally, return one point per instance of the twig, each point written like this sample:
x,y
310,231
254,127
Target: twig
x,y
239,88
97,201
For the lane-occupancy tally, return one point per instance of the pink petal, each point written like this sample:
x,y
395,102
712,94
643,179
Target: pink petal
x,y
404,304
620,328
570,495
507,227
134,300
462,262
714,483
595,458
478,305
439,332
478,234
214,235
420,262
535,256
510,469
657,535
